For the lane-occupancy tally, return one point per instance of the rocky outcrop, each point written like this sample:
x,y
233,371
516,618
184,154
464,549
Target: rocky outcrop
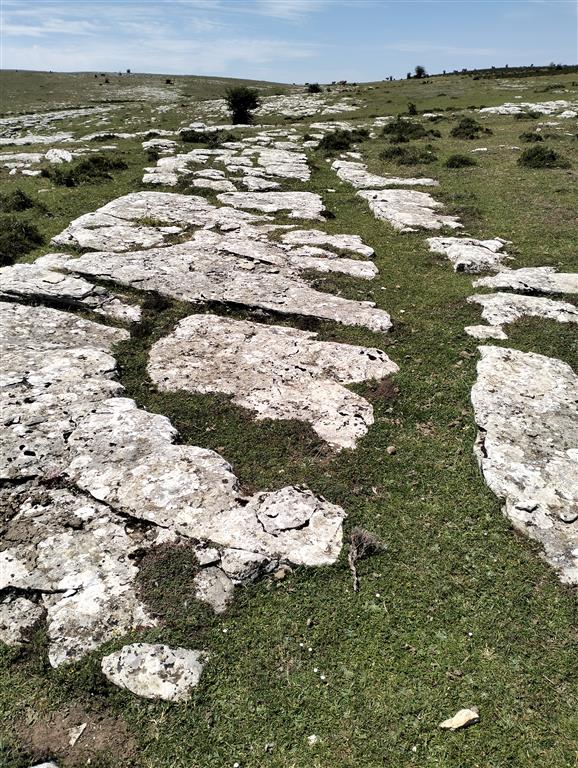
x,y
277,372
526,409
532,280
470,255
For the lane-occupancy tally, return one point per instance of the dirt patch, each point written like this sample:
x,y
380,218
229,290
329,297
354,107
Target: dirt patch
x,y
381,390
105,741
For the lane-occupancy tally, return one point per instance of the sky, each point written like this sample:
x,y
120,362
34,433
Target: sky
x,y
286,40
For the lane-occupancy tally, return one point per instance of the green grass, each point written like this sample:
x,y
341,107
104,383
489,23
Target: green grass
x,y
459,610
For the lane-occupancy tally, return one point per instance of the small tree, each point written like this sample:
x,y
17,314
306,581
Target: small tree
x,y
314,88
241,102
420,71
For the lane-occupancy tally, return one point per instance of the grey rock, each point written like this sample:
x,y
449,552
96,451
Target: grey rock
x,y
18,616
315,237
408,210
214,587
485,332
502,308
532,279
300,205
470,255
155,671
356,174
526,409
277,372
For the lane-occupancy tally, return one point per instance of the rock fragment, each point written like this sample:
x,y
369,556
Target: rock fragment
x,y
532,280
214,587
408,210
485,332
278,372
526,409
316,237
461,719
18,616
470,255
501,308
356,174
155,671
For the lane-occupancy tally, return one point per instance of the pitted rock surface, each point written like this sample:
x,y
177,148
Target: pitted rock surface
x,y
526,409
18,616
280,373
39,283
408,210
155,671
300,205
501,308
356,174
470,255
532,280
231,268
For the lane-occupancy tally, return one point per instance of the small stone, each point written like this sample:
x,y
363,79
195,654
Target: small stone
x,y
391,450
75,733
312,740
461,719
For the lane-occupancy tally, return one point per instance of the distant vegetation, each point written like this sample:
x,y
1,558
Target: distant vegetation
x,y
242,101
400,131
408,155
92,170
314,88
211,138
341,140
17,238
460,161
468,128
540,156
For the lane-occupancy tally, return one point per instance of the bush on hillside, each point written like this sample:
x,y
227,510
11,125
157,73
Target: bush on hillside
x,y
540,156
314,88
468,128
92,170
408,155
15,201
530,136
341,140
400,131
211,138
530,115
460,161
17,238
242,101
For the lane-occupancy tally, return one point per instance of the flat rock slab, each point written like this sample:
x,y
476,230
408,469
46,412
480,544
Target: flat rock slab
x,y
299,205
546,108
408,210
526,409
532,280
155,671
277,372
64,419
315,237
356,174
502,308
227,269
470,255
483,332
39,283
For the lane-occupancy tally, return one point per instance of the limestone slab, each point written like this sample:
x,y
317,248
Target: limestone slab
x,y
470,255
408,210
532,280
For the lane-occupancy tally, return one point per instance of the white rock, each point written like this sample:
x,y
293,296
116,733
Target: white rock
x,y
502,308
461,719
406,210
356,174
155,671
257,184
485,332
314,237
18,615
58,156
530,279
546,108
300,205
214,587
470,255
277,372
526,410
219,185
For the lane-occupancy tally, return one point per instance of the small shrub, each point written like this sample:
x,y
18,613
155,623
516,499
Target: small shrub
x,y
211,138
314,88
103,137
341,140
408,155
468,128
530,136
531,115
17,238
401,131
411,109
241,102
92,170
460,161
17,200
540,156
152,155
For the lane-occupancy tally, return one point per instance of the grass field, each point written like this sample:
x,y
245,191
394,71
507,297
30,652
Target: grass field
x,y
459,610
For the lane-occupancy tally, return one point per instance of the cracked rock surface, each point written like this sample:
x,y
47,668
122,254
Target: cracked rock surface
x,y
356,174
155,671
501,308
408,210
300,205
470,255
526,409
280,373
532,280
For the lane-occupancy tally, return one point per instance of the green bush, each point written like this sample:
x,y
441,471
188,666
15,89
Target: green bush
x,y
17,238
531,115
411,109
540,156
400,131
341,140
314,88
17,200
241,102
212,139
92,170
468,128
460,161
530,136
408,155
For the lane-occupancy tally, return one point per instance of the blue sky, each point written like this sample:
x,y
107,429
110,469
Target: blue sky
x,y
286,40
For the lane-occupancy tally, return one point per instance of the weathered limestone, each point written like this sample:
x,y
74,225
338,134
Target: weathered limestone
x,y
315,237
230,268
39,283
144,219
155,671
64,421
532,280
527,414
300,205
58,156
560,107
280,373
18,616
501,308
213,586
483,332
470,255
407,210
356,174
